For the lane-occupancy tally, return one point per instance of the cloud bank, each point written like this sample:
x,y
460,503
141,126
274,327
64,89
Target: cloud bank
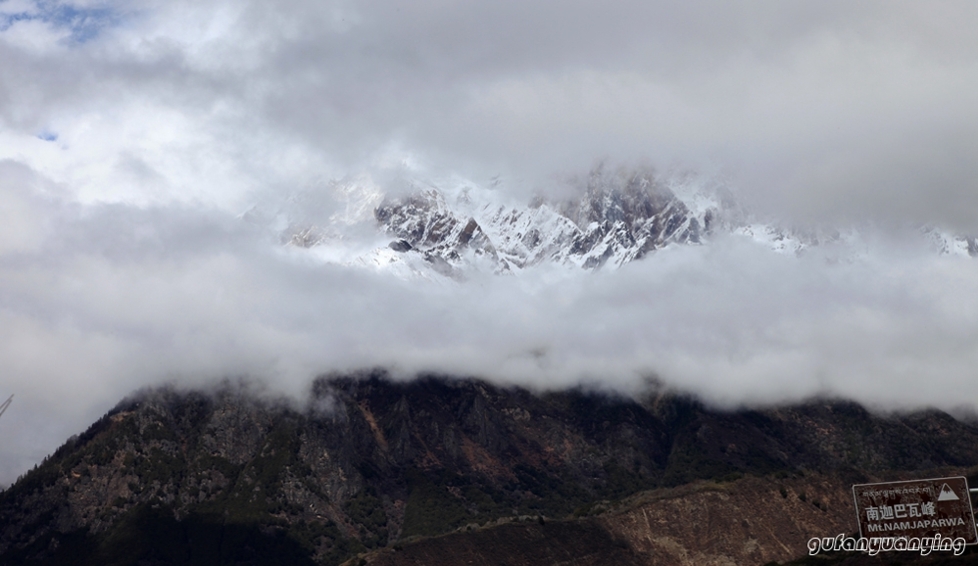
x,y
134,135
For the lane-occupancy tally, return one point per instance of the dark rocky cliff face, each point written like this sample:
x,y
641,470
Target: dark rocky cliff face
x,y
223,478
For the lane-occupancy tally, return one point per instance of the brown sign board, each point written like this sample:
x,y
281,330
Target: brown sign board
x,y
916,508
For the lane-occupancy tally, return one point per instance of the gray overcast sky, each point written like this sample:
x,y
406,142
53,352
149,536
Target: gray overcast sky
x,y
134,133
820,108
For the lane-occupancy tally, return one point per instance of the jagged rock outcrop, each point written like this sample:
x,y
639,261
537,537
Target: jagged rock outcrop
x,y
626,216
424,223
621,217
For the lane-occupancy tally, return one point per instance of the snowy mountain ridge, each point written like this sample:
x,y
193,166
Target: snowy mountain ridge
x,y
443,230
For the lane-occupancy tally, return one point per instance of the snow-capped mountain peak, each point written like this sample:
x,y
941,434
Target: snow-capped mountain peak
x,y
443,229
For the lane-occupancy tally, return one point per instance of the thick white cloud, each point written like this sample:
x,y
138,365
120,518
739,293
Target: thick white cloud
x,y
134,134
824,109
108,298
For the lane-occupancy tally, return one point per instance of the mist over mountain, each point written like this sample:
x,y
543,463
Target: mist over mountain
x,y
504,282
626,275
197,190
606,218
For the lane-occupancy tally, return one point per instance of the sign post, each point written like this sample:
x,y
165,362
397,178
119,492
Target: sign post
x,y
916,508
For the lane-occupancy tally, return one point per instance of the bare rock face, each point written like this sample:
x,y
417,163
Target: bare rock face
x,y
425,223
747,521
751,520
373,469
625,216
621,217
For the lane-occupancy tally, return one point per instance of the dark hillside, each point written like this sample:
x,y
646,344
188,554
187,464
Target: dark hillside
x,y
223,478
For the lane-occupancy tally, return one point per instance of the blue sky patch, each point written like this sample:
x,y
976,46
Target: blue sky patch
x,y
47,135
84,24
